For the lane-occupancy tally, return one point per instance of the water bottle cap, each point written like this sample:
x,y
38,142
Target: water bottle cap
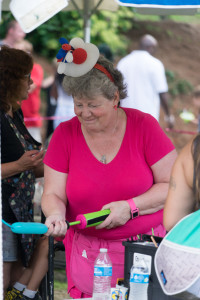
x,y
103,250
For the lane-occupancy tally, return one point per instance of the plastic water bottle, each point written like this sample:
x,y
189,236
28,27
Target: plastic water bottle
x,y
102,276
139,281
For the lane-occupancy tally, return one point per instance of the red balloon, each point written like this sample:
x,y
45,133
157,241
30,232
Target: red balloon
x,y
79,56
66,47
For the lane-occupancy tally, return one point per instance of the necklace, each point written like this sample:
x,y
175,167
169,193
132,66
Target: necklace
x,y
103,157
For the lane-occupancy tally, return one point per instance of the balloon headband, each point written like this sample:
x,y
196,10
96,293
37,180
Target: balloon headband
x,y
76,58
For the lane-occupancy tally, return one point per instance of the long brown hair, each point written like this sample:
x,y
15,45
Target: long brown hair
x,y
14,65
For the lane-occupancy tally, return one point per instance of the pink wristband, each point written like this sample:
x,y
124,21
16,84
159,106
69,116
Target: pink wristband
x,y
134,209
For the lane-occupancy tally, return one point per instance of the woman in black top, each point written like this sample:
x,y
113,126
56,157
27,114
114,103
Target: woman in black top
x,y
21,158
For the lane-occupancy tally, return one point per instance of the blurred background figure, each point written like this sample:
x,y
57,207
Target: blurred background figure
x,y
59,104
196,102
146,81
31,106
65,103
106,51
51,101
14,34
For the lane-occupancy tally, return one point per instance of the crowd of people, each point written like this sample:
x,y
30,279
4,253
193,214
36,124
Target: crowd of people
x,y
97,157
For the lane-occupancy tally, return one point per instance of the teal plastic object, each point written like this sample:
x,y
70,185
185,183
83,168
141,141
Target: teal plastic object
x,y
29,228
187,231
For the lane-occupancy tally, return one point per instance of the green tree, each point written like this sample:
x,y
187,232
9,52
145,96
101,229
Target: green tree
x,y
106,27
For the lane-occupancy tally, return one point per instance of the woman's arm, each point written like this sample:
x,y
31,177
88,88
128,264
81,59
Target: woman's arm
x,y
54,201
180,200
29,160
149,202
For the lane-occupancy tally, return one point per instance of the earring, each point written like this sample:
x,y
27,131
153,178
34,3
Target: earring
x,y
115,107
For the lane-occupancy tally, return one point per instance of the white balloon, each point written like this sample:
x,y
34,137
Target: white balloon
x,y
77,43
69,57
61,68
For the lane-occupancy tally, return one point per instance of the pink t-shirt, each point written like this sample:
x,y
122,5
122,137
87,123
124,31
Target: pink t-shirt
x,y
91,184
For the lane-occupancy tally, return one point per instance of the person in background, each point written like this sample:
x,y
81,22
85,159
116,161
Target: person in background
x,y
65,104
184,190
60,105
51,94
31,107
14,34
21,163
196,102
98,160
106,51
146,81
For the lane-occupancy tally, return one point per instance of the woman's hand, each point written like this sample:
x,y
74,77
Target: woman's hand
x,y
30,159
120,214
56,225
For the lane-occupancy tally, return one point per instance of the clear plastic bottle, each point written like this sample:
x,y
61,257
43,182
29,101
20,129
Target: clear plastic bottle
x,y
102,276
139,281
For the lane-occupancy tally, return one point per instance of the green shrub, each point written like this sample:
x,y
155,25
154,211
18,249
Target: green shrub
x,y
178,86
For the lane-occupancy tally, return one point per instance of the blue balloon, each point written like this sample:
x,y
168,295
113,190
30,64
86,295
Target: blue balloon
x,y
62,41
29,228
61,54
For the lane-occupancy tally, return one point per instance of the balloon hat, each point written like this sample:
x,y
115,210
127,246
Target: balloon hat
x,y
76,58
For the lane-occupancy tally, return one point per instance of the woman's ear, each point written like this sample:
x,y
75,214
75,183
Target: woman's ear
x,y
116,98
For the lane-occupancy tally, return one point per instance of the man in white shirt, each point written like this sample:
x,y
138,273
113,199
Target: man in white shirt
x,y
146,81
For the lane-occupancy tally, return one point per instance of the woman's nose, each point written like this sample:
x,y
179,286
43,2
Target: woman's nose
x,y
85,112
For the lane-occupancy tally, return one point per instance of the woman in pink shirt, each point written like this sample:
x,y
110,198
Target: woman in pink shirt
x,y
106,157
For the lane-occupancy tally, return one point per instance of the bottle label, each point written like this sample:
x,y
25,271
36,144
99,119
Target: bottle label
x,y
139,278
102,271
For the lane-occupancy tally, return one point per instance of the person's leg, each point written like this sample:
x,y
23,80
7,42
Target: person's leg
x,y
32,276
7,266
16,272
38,265
10,254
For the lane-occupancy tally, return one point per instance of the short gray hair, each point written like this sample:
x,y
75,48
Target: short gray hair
x,y
96,83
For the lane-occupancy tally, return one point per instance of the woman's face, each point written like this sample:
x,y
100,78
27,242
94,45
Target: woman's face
x,y
25,86
94,114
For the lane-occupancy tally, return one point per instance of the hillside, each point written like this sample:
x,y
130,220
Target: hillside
x,y
179,51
